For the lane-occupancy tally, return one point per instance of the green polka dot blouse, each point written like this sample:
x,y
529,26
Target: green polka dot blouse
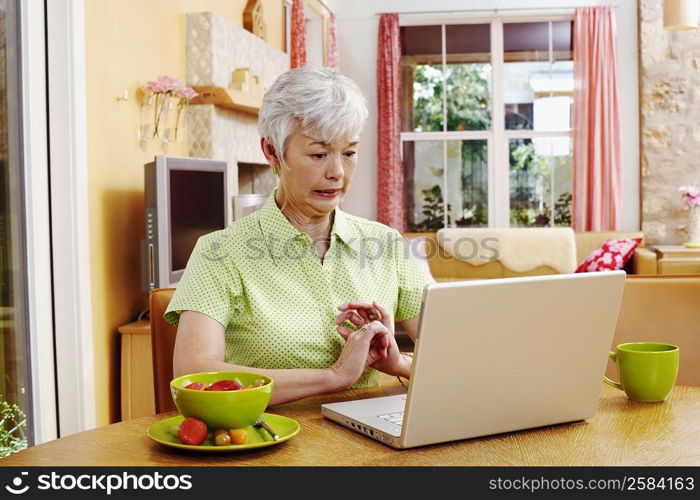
x,y
263,281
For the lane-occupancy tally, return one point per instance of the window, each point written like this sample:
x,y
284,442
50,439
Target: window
x,y
486,124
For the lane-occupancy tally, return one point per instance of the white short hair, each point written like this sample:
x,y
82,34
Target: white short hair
x,y
323,103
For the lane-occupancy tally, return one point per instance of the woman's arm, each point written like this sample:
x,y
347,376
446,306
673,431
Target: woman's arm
x,y
200,345
411,326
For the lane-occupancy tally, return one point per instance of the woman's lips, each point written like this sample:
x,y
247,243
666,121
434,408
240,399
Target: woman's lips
x,y
327,193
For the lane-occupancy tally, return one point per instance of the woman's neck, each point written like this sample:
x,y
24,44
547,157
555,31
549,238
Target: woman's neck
x,y
317,227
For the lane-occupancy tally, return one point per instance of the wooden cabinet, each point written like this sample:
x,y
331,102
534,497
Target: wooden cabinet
x,y
677,259
137,398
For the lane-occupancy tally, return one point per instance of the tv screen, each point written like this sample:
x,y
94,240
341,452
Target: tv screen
x,y
185,198
195,210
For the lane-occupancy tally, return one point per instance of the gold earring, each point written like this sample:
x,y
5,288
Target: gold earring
x,y
276,169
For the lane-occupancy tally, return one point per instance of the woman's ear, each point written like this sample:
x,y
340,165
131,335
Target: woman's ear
x,y
269,152
271,155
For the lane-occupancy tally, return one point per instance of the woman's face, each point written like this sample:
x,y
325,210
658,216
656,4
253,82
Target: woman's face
x,y
318,173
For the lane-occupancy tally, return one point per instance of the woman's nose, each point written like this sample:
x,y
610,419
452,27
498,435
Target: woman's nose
x,y
335,167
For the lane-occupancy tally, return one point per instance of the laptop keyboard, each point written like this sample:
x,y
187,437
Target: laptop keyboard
x,y
393,418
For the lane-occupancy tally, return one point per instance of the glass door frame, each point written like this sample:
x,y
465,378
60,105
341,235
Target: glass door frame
x,y
31,141
51,147
70,243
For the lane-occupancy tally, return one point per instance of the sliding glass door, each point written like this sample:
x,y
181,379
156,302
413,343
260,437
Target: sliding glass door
x,y
15,383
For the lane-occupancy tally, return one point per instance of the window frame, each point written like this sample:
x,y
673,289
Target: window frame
x,y
497,137
70,243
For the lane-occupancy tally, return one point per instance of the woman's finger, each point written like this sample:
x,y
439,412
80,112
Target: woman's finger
x,y
382,311
372,357
358,304
351,316
367,310
372,336
364,315
344,331
381,333
385,316
378,351
384,343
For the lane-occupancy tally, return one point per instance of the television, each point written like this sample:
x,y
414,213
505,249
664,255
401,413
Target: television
x,y
185,199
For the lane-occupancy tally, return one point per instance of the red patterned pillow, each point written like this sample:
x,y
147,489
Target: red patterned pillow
x,y
610,256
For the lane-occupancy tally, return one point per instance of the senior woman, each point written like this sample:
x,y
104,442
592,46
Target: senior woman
x,y
300,290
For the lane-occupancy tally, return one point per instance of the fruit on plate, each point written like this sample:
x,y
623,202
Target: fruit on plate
x,y
196,386
258,382
221,437
238,436
192,431
225,385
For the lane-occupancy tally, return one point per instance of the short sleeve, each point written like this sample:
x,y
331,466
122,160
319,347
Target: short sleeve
x,y
210,285
413,275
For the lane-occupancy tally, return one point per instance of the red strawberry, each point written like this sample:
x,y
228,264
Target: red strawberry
x,y
192,431
196,386
225,385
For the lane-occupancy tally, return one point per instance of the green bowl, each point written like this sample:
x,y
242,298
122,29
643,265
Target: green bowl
x,y
222,409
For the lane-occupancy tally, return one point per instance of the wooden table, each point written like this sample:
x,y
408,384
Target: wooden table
x,y
621,433
677,259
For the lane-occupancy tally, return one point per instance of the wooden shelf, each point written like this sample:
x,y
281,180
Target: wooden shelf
x,y
229,99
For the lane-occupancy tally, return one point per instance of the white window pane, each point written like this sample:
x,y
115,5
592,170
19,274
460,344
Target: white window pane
x,y
540,182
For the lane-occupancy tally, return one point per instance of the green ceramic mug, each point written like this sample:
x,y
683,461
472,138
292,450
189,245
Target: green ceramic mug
x,y
647,370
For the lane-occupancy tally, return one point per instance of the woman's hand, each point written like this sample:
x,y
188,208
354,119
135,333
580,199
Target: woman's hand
x,y
363,347
361,313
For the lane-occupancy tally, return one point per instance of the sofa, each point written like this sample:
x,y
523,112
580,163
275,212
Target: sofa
x,y
446,267
662,308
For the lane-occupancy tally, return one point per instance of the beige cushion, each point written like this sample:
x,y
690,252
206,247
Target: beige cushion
x,y
519,250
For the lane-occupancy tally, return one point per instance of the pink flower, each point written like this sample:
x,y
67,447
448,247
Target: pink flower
x,y
691,195
186,93
164,84
688,190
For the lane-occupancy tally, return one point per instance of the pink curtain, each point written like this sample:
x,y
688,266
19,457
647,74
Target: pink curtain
x,y
333,54
597,164
390,206
298,56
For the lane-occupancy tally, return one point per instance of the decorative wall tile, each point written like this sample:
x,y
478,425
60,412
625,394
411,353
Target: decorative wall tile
x,y
216,46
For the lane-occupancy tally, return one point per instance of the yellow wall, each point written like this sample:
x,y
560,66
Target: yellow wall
x,y
127,43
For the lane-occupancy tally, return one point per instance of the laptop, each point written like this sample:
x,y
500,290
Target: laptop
x,y
494,356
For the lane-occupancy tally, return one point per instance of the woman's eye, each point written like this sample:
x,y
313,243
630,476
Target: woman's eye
x,y
350,154
319,156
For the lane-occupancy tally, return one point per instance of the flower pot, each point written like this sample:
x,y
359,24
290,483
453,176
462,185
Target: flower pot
x,y
693,228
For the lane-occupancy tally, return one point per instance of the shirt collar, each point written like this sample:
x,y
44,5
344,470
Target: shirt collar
x,y
344,230
276,227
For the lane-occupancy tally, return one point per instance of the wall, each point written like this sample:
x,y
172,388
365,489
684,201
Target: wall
x,y
357,38
127,43
215,46
670,79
